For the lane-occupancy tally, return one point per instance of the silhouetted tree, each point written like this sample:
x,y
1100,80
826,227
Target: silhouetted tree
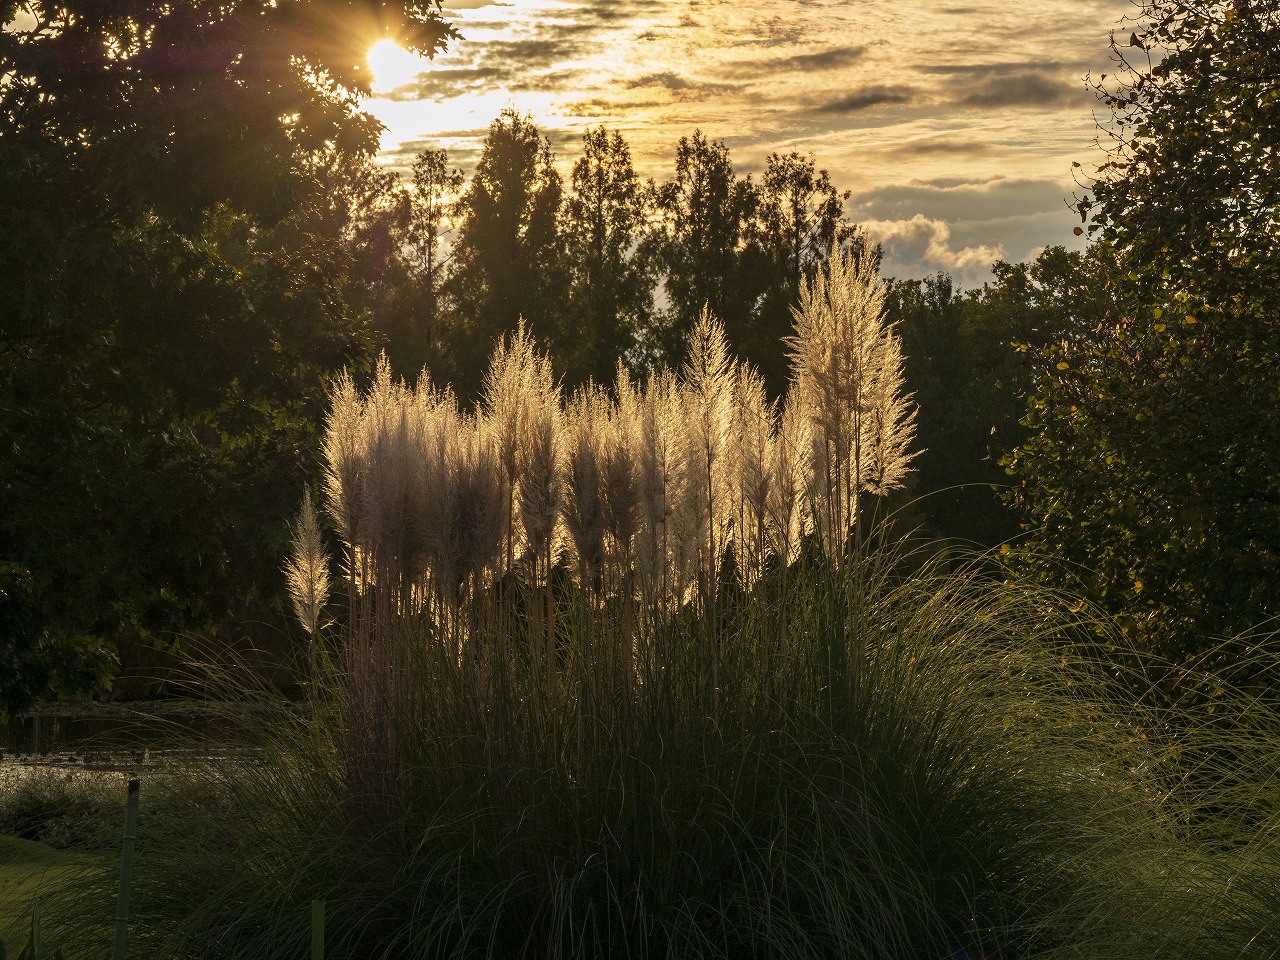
x,y
611,290
172,304
967,365
431,205
1150,467
706,215
508,261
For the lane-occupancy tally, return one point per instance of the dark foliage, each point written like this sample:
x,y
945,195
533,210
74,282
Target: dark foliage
x,y
1151,469
174,300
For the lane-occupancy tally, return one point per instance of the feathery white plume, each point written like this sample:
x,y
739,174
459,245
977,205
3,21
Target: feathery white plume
x,y
307,570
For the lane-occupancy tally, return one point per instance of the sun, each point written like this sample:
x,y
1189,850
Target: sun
x,y
393,66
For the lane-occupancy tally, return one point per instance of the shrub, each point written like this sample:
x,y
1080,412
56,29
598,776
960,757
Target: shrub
x,y
60,807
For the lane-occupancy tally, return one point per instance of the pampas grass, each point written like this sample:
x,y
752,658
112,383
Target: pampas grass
x,y
903,756
789,474
925,774
752,442
847,377
660,476
670,492
704,511
619,425
307,570
584,512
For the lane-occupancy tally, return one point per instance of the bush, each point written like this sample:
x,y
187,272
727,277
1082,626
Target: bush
x,y
61,808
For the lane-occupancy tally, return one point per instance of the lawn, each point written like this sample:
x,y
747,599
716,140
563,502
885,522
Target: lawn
x,y
31,872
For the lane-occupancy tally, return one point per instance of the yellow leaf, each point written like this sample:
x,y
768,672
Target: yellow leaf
x,y
1137,586
1004,549
1191,319
1159,328
1063,365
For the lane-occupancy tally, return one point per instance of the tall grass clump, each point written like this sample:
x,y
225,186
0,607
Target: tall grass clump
x,y
918,774
633,675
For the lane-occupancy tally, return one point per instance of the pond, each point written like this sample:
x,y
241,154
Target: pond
x,y
120,736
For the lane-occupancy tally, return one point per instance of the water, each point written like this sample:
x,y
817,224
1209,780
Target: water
x,y
119,736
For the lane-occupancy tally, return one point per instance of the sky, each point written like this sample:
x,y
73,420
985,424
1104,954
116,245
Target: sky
x,y
953,123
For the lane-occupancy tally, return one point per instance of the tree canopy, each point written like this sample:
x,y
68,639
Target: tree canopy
x,y
173,304
1153,466
508,258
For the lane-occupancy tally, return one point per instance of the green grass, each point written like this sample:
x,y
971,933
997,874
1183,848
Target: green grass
x,y
60,836
888,765
31,872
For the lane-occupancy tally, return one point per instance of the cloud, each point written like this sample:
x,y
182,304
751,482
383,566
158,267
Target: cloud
x,y
923,242
868,97
680,88
951,146
960,198
774,69
606,107
616,11
830,59
1027,88
536,52
1020,84
523,63
443,83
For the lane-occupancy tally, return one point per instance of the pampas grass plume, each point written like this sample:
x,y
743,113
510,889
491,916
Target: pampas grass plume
x,y
847,377
752,442
307,570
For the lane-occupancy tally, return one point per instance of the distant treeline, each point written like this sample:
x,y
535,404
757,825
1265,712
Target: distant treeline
x,y
609,268
195,242
168,368
602,268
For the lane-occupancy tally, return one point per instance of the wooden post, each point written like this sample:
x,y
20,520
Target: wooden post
x,y
317,930
126,868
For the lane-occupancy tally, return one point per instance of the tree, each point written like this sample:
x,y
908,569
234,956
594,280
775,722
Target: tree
x,y
610,289
1152,464
706,213
967,362
187,105
431,210
172,305
365,211
508,258
800,217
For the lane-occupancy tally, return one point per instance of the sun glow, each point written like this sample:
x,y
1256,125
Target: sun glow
x,y
393,66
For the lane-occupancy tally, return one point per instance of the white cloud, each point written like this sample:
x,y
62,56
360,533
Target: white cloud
x,y
924,245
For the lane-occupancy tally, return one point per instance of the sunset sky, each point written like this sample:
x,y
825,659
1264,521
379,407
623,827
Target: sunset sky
x,y
954,124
